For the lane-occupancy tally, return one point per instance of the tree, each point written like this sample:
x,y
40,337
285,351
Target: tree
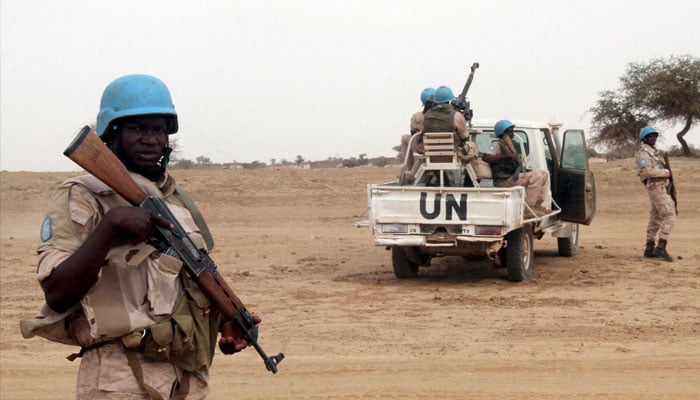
x,y
203,160
183,164
363,159
299,160
381,161
397,149
658,91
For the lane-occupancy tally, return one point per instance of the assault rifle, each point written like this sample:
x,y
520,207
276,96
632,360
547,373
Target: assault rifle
x,y
88,151
460,103
671,189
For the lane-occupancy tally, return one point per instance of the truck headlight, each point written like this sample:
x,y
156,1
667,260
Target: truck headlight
x,y
394,228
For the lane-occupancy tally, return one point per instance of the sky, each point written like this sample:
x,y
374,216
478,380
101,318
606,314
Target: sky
x,y
262,80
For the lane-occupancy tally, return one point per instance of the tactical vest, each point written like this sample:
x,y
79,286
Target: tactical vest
x,y
440,118
141,292
505,168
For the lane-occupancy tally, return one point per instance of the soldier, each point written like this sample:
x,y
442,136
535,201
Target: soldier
x,y
416,125
442,117
655,177
145,329
503,166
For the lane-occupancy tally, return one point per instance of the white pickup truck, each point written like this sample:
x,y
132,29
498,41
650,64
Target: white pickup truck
x,y
433,211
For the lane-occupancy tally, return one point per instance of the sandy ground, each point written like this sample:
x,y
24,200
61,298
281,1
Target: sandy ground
x,y
604,324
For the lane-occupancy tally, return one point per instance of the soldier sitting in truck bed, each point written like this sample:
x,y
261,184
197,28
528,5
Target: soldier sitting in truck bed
x,y
504,166
416,126
442,117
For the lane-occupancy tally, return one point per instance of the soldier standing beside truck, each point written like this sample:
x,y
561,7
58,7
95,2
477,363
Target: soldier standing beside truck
x,y
655,176
508,171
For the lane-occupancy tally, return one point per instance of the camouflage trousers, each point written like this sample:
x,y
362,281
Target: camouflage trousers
x,y
662,216
105,374
536,186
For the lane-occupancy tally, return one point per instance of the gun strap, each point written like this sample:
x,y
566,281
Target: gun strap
x,y
138,374
196,215
180,391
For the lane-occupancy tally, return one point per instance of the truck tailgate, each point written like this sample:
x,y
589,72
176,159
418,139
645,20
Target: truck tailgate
x,y
393,204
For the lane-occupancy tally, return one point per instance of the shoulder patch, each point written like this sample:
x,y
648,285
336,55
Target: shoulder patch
x,y
46,231
492,148
642,162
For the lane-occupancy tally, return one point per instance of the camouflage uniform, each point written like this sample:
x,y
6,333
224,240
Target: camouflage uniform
x,y
654,176
536,182
416,125
104,372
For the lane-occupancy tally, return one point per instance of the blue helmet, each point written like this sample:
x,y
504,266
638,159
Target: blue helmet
x,y
133,95
647,130
426,94
443,94
502,126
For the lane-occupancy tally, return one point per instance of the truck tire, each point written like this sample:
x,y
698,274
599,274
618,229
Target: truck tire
x,y
519,254
568,247
403,267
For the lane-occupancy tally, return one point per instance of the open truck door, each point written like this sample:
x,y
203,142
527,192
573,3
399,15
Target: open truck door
x,y
575,187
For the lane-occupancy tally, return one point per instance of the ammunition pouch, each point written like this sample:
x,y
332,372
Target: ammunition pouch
x,y
187,337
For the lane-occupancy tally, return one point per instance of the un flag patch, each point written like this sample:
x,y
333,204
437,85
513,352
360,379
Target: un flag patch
x,y
46,231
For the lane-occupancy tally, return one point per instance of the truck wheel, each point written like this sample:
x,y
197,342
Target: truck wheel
x,y
519,254
403,267
568,247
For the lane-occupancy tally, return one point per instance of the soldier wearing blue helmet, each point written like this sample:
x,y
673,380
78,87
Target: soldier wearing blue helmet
x,y
442,117
144,327
416,124
504,162
655,177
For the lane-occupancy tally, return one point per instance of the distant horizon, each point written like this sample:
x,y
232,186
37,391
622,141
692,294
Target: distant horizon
x,y
261,80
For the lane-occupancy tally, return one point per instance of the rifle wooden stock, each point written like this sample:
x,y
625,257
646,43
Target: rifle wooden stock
x,y
224,299
88,151
671,187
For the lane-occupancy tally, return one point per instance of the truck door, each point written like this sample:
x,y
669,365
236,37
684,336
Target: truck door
x,y
575,184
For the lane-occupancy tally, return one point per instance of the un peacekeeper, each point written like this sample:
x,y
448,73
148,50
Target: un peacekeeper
x,y
416,124
655,177
145,329
504,163
442,117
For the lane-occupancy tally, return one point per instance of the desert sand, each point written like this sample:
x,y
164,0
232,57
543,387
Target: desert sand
x,y
605,324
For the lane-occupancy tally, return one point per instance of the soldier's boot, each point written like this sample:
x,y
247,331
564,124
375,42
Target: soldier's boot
x,y
660,251
649,250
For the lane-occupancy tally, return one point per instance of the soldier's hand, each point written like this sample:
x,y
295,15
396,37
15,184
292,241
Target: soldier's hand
x,y
133,224
232,340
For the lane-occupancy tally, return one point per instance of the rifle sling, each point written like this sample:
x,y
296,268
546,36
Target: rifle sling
x,y
196,215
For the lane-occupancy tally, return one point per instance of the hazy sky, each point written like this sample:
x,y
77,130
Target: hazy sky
x,y
257,80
